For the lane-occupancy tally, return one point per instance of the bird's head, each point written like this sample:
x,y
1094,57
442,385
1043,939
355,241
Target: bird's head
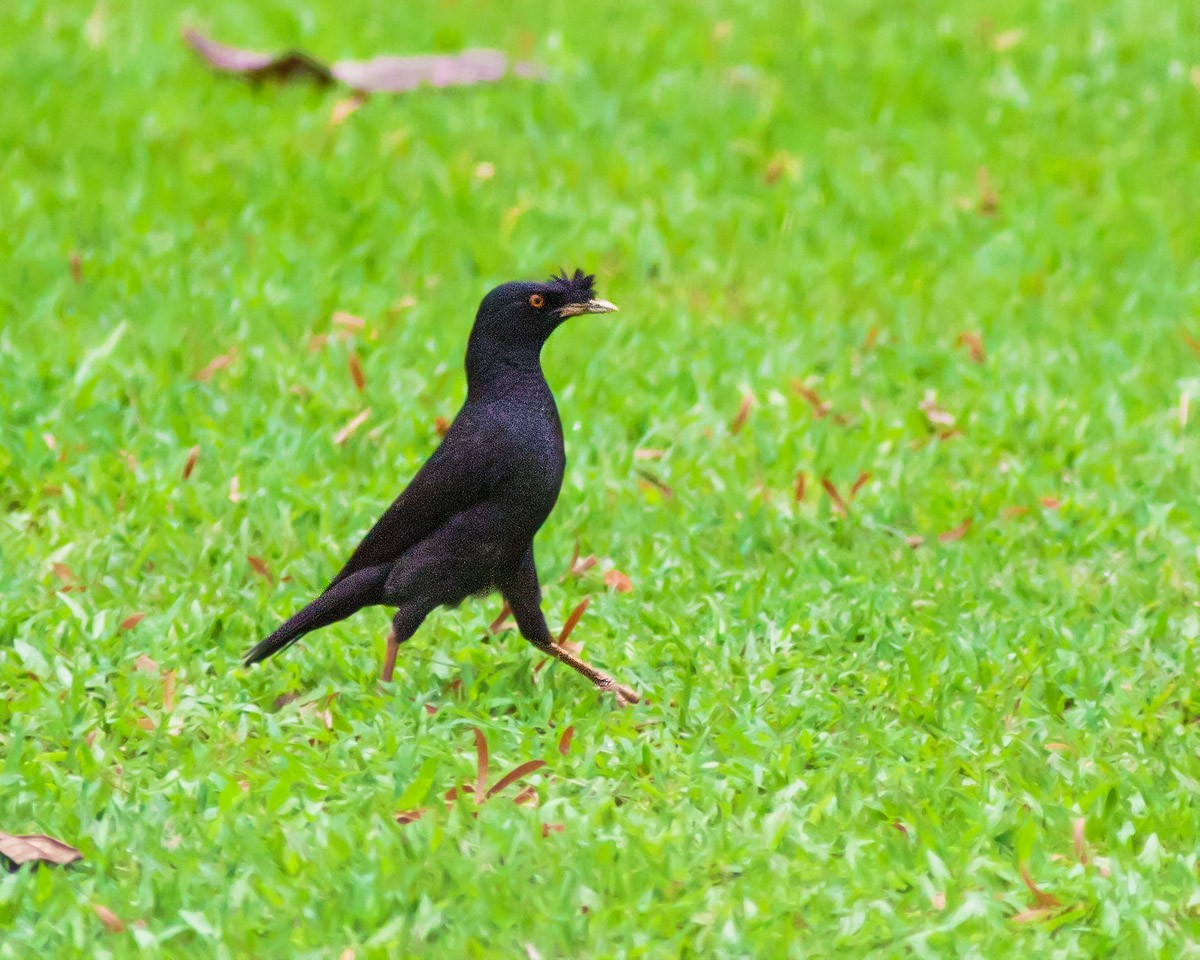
x,y
525,314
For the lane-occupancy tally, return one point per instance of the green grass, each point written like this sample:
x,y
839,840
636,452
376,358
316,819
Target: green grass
x,y
848,747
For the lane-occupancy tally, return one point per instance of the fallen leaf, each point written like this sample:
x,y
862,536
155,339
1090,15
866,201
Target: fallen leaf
x,y
573,620
743,413
318,341
860,481
957,533
219,362
527,795
411,816
973,344
481,768
564,742
820,408
235,493
798,491
498,624
549,828
441,426
618,581
1036,915
514,775
347,321
356,373
580,565
1051,503
261,568
1042,900
109,919
143,664
36,848
348,430
782,164
190,464
385,74
1014,511
1078,826
900,827
1007,39
147,724
839,505
132,621
933,413
66,576
989,202
655,483
647,453
344,107
168,691
1056,747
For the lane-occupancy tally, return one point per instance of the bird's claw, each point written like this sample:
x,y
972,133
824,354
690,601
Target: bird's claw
x,y
622,695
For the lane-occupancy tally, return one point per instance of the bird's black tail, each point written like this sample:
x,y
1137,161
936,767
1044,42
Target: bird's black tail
x,y
360,589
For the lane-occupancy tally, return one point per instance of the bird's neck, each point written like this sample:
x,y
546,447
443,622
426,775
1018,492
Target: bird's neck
x,y
495,368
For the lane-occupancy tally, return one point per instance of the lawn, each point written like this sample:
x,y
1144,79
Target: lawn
x,y
896,437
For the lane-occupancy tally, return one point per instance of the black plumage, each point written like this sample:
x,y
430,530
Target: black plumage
x,y
466,522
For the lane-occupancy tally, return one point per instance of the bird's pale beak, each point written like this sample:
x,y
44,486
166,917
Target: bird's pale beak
x,y
591,306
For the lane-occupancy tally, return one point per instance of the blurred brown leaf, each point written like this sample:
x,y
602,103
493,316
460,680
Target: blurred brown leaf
x,y
799,489
1007,39
1051,503
356,373
860,481
441,426
109,919
1192,342
957,533
933,413
261,568
169,691
973,344
347,321
481,769
580,565
76,264
1078,827
743,413
839,505
66,576
647,453
36,848
653,482
143,664
411,816
573,620
564,742
523,770
384,74
190,464
498,624
1042,900
820,408
344,107
132,621
219,362
348,430
549,828
618,581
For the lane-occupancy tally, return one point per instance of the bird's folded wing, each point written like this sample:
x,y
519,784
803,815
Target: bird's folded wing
x,y
455,478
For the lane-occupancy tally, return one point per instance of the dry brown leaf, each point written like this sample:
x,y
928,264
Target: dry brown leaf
x,y
989,202
481,768
347,321
384,74
549,828
514,775
147,724
66,575
564,742
933,413
284,699
653,482
318,341
1055,747
870,340
498,624
973,344
743,413
190,464
645,453
573,620
109,919
820,408
957,533
1051,503
356,373
1036,915
261,568
1014,511
839,505
36,848
798,491
235,491
1007,39
1192,342
441,426
344,107
1042,900
914,540
859,482
618,581
1078,827
411,816
219,362
132,621
143,664
348,430
168,691
580,565
528,795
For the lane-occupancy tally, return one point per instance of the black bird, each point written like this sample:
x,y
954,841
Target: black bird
x,y
465,524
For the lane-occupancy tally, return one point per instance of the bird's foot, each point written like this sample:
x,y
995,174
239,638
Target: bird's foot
x,y
622,695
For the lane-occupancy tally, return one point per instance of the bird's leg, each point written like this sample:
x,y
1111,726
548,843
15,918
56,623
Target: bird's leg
x,y
524,597
404,625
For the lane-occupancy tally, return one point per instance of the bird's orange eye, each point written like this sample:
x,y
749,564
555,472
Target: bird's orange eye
x,y
536,301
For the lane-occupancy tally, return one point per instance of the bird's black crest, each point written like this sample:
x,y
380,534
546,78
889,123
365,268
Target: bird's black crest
x,y
576,289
